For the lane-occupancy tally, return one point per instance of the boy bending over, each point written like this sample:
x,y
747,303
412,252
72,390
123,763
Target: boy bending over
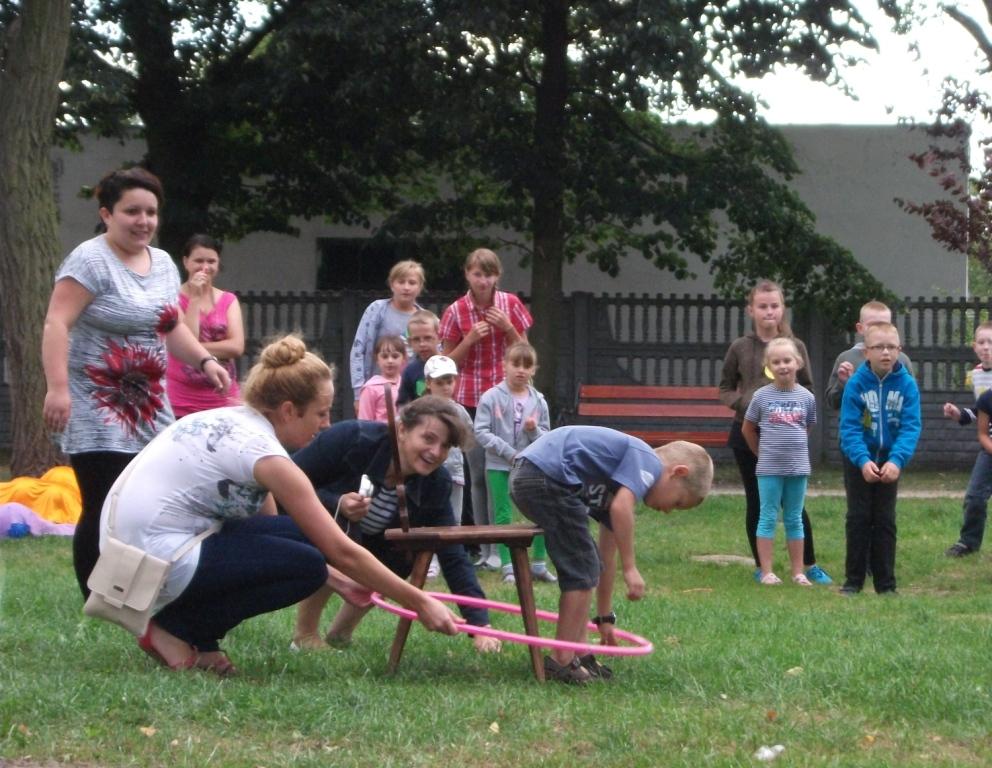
x,y
573,473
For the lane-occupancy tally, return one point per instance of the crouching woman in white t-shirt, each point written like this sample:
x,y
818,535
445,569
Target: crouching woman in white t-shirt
x,y
230,465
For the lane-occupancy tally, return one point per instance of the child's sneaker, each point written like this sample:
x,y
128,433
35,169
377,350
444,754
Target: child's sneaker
x,y
959,550
508,575
818,576
757,575
540,572
770,579
434,568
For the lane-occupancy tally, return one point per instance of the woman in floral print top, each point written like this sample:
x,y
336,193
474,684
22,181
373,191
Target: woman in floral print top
x,y
112,313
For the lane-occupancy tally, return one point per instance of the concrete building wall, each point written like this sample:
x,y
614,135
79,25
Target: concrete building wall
x,y
850,176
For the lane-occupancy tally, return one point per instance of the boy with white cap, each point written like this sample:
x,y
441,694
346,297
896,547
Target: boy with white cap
x,y
440,379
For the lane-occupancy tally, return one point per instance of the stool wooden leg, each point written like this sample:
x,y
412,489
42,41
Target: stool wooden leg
x,y
528,608
418,577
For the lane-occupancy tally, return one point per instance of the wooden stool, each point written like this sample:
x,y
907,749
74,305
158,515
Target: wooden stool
x,y
424,542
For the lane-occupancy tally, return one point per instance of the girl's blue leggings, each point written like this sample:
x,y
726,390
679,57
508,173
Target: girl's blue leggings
x,y
786,493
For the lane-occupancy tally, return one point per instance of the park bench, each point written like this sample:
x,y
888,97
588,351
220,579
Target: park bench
x,y
657,415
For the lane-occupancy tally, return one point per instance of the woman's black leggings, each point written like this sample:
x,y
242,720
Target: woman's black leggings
x,y
95,473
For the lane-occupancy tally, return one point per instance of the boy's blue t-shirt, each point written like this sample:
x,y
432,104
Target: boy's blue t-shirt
x,y
587,456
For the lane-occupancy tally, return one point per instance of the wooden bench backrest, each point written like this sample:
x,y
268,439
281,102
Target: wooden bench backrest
x,y
677,411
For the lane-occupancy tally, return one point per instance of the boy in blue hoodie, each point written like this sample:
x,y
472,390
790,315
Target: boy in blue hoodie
x,y
879,428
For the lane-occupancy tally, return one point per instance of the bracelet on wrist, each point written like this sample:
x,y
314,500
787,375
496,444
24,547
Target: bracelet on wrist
x,y
207,359
606,618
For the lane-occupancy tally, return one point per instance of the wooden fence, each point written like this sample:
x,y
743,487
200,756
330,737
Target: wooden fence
x,y
660,340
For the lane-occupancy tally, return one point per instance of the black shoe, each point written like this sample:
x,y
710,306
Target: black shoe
x,y
573,672
959,550
848,591
592,665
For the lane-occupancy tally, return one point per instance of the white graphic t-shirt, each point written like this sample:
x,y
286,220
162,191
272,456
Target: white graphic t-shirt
x,y
197,472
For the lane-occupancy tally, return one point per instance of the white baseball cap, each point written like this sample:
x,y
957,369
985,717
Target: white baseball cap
x,y
439,366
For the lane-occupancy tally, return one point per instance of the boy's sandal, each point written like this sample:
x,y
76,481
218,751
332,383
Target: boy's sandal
x,y
573,672
770,579
221,665
801,580
595,668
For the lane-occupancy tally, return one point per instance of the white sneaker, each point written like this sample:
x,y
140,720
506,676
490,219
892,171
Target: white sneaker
x,y
543,574
434,568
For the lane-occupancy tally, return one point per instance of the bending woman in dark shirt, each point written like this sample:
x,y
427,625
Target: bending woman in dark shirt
x,y
335,462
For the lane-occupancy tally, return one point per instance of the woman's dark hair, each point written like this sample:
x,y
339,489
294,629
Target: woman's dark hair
x,y
202,241
113,186
416,411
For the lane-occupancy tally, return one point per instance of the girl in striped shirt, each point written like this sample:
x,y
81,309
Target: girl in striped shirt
x,y
776,427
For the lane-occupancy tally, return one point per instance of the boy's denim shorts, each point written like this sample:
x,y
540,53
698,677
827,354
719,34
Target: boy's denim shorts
x,y
563,515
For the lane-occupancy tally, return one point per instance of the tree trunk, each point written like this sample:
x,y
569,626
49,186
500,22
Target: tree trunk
x,y
547,188
30,249
177,121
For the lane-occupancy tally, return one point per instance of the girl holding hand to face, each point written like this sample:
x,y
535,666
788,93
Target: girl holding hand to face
x,y
214,317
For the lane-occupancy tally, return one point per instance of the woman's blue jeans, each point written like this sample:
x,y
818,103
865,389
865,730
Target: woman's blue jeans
x,y
249,567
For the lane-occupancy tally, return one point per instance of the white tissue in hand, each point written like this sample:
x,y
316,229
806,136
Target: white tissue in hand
x,y
366,488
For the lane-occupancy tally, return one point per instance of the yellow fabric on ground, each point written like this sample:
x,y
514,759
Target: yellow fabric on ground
x,y
53,496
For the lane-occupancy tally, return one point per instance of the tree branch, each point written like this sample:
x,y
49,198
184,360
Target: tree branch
x,y
972,28
276,20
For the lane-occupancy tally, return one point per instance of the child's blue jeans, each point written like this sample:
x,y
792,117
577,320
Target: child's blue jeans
x,y
976,500
787,493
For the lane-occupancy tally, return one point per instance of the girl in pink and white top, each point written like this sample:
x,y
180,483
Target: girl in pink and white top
x,y
390,357
214,317
476,330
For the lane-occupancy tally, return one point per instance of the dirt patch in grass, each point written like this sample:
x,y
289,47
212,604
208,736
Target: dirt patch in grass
x,y
723,559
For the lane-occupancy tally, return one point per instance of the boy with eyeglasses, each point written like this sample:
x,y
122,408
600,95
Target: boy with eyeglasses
x,y
879,429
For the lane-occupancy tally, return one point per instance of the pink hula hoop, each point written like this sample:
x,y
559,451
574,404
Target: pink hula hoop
x,y
639,646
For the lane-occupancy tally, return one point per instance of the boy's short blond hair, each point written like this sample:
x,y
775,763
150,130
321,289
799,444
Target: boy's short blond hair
x,y
700,464
873,306
485,260
875,328
424,317
404,268
986,326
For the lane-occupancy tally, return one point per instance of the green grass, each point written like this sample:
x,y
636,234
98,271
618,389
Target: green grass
x,y
863,681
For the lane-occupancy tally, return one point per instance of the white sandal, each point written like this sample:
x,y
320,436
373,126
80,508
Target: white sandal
x,y
770,579
801,580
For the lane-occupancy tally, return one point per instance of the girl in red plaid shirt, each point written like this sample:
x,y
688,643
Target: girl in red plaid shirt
x,y
476,331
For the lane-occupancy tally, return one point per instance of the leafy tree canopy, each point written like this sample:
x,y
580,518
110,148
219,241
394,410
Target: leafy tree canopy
x,y
562,121
962,221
